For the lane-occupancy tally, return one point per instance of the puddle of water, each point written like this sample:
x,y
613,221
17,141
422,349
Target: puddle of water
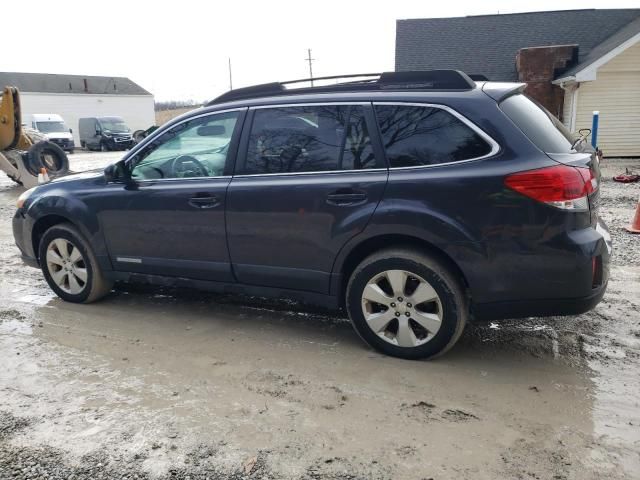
x,y
15,326
39,300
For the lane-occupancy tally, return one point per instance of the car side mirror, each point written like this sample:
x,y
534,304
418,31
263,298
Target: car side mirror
x,y
110,173
98,132
70,131
116,172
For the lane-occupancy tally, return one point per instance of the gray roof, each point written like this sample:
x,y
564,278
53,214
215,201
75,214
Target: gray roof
x,y
618,38
54,83
488,44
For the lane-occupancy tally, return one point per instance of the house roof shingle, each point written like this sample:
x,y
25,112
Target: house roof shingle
x,y
54,83
488,44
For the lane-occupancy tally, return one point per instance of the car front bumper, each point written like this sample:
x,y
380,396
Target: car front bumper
x,y
116,144
22,228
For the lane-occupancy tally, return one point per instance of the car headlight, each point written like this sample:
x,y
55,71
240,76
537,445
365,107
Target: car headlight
x,y
24,196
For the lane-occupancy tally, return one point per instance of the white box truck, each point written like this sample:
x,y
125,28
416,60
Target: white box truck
x,y
53,127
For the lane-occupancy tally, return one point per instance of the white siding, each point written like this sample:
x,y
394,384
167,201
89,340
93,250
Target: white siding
x,y
616,95
567,105
136,110
566,108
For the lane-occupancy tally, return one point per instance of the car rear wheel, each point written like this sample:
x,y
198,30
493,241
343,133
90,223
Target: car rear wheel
x,y
70,267
406,304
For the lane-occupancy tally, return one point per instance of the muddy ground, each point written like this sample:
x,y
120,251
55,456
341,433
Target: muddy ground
x,y
166,384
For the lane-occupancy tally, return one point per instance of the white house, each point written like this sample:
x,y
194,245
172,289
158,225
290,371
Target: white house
x,y
574,62
608,81
77,96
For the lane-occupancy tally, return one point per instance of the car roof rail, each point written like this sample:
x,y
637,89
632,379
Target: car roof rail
x,y
442,80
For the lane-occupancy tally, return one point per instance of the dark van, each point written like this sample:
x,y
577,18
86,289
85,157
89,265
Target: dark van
x,y
105,134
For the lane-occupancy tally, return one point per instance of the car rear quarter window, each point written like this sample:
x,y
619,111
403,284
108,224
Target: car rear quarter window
x,y
538,124
308,139
421,135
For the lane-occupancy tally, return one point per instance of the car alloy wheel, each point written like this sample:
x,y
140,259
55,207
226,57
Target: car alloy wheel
x,y
66,266
402,308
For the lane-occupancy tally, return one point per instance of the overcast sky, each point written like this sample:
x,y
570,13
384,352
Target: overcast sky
x,y
179,50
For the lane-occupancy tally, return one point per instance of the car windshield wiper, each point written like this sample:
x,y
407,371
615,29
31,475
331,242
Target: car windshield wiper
x,y
577,141
583,134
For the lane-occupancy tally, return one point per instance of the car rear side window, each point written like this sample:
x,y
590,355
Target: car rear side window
x,y
308,139
415,136
538,124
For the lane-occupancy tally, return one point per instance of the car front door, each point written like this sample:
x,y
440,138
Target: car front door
x,y
169,219
307,180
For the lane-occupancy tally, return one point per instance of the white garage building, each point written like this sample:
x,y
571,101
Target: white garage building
x,y
77,96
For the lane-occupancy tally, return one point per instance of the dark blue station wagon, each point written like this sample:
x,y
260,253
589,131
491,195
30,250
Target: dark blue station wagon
x,y
416,200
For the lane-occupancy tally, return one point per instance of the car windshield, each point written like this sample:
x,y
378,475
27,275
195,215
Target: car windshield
x,y
115,125
51,127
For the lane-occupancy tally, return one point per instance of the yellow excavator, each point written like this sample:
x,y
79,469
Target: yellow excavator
x,y
25,152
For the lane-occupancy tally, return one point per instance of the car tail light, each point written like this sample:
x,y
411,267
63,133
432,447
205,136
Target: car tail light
x,y
560,186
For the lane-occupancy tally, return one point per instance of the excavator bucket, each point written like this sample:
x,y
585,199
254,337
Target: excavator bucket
x,y
24,153
10,127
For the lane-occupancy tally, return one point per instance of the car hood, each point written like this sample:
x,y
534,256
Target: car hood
x,y
89,175
63,135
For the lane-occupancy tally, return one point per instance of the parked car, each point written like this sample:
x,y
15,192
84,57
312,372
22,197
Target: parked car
x,y
417,200
53,127
105,133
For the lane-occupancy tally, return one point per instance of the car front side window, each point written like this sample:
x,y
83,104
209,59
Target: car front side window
x,y
191,149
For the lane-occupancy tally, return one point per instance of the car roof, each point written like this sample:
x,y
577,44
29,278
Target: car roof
x,y
355,93
46,117
434,80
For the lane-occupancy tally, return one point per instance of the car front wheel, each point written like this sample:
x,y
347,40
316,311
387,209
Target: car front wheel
x,y
407,304
70,267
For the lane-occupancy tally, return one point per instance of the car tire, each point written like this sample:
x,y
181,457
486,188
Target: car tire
x,y
70,267
407,304
48,155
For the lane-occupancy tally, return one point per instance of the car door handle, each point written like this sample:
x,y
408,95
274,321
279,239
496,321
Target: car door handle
x,y
204,201
346,197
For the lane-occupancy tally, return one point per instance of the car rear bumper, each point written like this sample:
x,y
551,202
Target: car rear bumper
x,y
570,284
537,308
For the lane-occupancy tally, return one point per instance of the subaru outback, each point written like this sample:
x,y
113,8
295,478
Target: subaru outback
x,y
417,201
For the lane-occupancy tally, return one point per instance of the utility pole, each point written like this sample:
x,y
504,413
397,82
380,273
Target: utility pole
x,y
310,60
230,82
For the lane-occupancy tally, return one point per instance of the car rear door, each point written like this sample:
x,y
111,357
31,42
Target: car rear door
x,y
308,178
170,219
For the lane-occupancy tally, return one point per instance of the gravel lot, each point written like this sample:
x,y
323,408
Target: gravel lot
x,y
167,384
